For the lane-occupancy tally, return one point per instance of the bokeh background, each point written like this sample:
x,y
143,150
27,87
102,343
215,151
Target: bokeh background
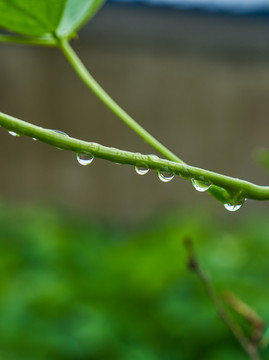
x,y
92,264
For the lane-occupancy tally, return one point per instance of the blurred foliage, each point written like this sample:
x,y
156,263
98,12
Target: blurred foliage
x,y
73,288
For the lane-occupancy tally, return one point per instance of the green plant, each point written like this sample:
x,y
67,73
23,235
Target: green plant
x,y
72,288
54,24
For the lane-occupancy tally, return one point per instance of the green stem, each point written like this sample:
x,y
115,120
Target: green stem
x,y
219,193
87,78
51,137
250,347
78,66
42,41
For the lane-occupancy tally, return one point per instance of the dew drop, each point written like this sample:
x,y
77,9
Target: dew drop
x,y
141,170
85,159
200,185
13,133
34,139
165,176
231,207
235,206
59,132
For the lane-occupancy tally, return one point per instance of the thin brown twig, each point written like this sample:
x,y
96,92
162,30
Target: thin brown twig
x,y
249,346
249,314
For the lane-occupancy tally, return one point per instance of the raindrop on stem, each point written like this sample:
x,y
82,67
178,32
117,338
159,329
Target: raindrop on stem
x,y
165,176
13,133
59,132
234,206
141,170
200,186
85,159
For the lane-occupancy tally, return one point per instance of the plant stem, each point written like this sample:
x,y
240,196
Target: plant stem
x,y
249,347
87,78
249,314
219,193
247,189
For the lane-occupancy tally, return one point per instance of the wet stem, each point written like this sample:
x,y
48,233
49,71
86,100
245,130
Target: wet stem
x,y
228,190
217,192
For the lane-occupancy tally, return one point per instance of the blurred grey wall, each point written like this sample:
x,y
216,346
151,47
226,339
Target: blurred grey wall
x,y
199,83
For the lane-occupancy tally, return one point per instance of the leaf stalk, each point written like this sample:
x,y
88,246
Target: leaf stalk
x,y
247,189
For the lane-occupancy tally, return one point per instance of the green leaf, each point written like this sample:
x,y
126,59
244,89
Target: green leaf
x,y
76,14
31,17
46,17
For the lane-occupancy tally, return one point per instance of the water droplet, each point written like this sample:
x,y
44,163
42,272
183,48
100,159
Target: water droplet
x,y
231,207
200,185
165,176
85,159
34,139
141,170
234,206
59,132
13,133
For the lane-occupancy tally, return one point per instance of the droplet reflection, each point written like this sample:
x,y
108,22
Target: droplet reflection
x,y
13,133
165,176
234,206
200,186
85,159
141,170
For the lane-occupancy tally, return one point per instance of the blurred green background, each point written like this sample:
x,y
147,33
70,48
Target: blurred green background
x,y
74,287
